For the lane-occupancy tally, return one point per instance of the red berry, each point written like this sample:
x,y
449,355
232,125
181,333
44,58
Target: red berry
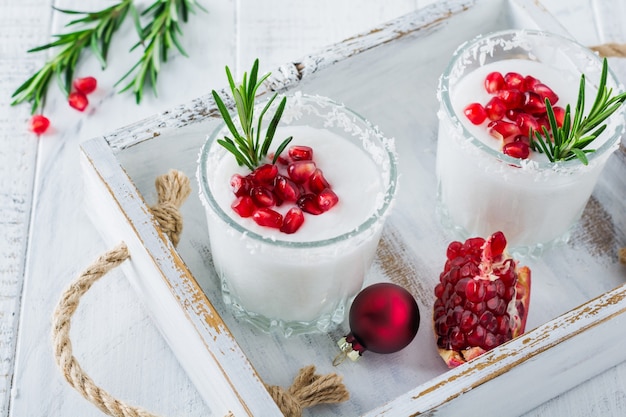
x,y
85,85
244,206
78,100
517,149
494,81
301,153
495,108
39,124
475,112
327,199
267,217
300,171
292,221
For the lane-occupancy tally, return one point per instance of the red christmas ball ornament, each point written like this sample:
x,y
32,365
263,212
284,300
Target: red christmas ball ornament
x,y
384,318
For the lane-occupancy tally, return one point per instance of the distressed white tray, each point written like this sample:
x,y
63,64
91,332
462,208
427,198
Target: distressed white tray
x,y
389,75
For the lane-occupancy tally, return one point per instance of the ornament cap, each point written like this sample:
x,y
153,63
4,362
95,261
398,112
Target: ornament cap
x,y
347,351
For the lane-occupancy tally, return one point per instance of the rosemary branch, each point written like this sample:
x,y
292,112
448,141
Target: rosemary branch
x,y
570,140
97,38
246,146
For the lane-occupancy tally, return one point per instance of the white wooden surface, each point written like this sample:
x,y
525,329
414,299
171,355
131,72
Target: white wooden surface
x,y
46,237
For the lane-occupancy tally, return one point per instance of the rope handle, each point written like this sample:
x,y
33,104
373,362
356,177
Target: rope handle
x,y
307,390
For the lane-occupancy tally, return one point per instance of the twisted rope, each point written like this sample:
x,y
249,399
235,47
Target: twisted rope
x,y
173,188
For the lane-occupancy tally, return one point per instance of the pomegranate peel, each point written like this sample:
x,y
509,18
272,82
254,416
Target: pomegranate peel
x,y
482,299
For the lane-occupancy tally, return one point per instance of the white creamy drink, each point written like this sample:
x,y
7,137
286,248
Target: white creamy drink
x,y
301,282
481,190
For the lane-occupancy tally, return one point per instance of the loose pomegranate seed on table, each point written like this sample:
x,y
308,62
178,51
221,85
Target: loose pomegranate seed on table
x,y
39,124
85,85
78,100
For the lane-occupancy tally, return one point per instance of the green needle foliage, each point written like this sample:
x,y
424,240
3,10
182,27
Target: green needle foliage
x,y
157,37
246,146
96,31
570,141
101,26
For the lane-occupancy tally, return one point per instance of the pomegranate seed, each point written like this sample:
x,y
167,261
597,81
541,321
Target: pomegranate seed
x,y
545,92
262,197
78,100
85,85
495,108
468,321
494,81
559,115
489,321
529,83
497,244
240,185
317,182
475,291
265,216
327,199
244,206
511,114
513,80
265,174
502,130
533,103
301,153
476,336
454,249
286,189
300,171
512,99
526,122
280,160
517,150
292,221
308,203
39,124
475,112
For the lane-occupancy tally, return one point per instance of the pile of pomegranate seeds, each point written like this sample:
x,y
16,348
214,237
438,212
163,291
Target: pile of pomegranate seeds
x,y
295,180
516,106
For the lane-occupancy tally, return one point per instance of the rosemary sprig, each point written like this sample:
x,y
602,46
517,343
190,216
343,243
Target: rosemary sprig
x,y
157,38
97,37
571,139
247,146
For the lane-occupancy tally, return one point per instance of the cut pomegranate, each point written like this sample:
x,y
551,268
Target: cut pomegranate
x,y
294,218
78,100
85,85
244,206
301,153
317,182
39,124
300,171
495,109
475,112
308,203
494,81
327,199
481,301
265,216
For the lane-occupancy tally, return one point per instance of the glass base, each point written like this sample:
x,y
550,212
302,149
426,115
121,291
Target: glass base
x,y
518,251
323,324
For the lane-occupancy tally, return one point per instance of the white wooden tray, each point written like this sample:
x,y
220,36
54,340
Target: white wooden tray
x,y
389,75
